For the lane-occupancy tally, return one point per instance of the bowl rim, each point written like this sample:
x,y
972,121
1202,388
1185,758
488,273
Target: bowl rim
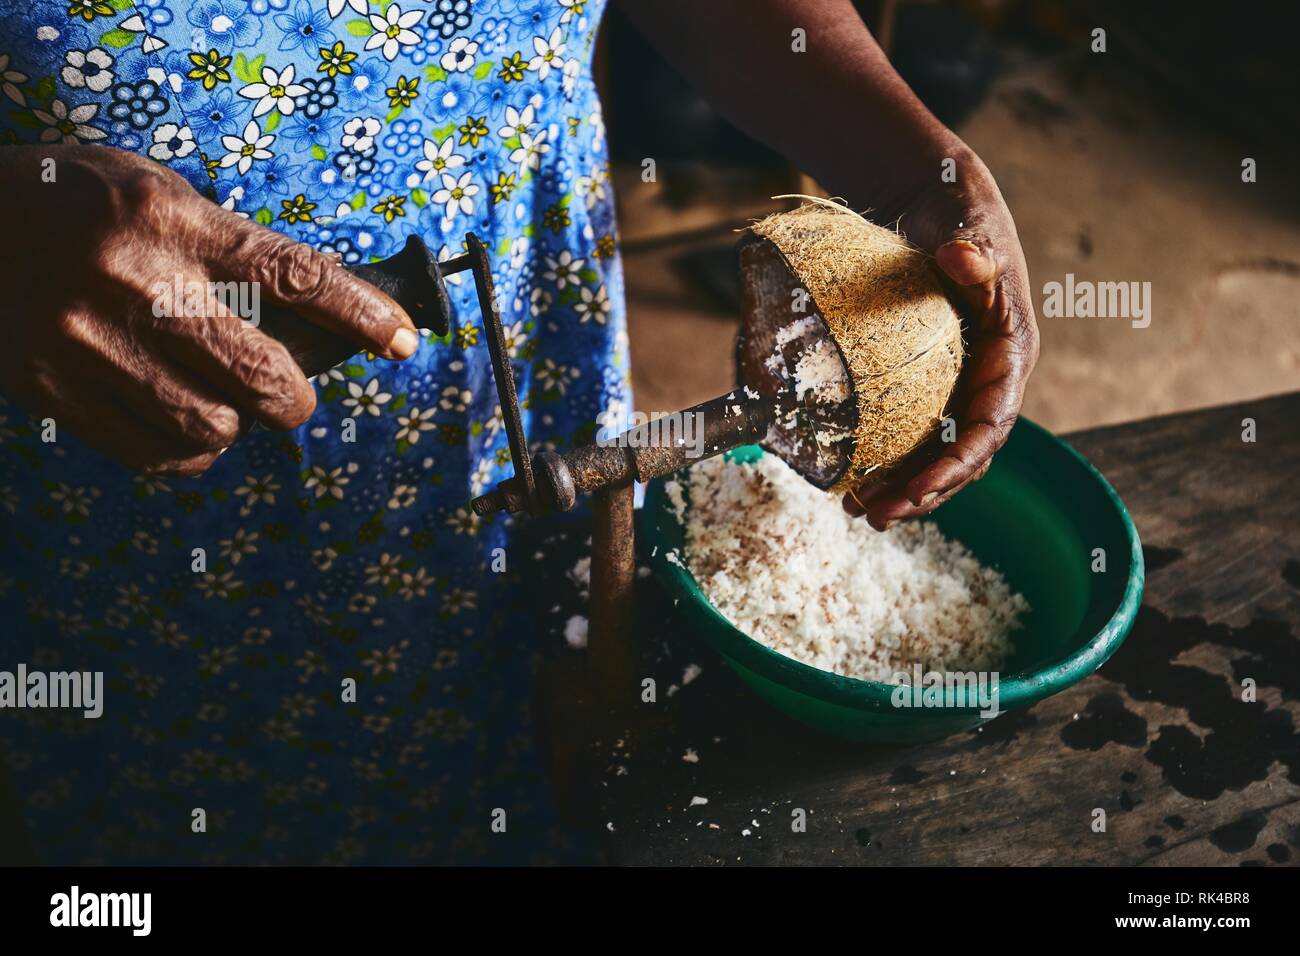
x,y
860,694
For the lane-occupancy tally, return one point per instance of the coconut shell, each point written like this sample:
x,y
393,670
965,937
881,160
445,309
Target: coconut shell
x,y
884,308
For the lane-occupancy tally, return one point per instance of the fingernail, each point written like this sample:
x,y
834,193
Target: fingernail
x,y
926,499
965,262
404,343
889,524
855,501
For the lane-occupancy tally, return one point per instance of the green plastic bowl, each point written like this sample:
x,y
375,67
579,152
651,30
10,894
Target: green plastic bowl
x,y
1038,516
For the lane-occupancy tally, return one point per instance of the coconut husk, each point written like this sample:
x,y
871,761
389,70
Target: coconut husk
x,y
882,304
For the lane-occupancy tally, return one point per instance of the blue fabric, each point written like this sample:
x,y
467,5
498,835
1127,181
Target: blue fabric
x,y
325,559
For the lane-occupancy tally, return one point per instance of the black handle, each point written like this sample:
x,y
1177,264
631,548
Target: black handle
x,y
412,277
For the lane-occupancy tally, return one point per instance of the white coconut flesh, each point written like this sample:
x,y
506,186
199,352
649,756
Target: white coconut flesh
x,y
790,356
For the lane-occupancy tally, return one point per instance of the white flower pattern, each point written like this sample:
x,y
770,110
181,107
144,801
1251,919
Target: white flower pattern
x,y
246,149
275,91
393,30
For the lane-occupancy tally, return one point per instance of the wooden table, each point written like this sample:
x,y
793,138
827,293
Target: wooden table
x,y
1186,772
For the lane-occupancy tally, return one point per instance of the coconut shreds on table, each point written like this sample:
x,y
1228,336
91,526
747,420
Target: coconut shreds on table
x,y
784,563
575,631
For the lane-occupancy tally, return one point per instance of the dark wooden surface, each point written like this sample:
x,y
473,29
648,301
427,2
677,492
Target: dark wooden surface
x,y
1160,739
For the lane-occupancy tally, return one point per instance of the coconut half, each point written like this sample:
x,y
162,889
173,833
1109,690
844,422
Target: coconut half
x,y
822,286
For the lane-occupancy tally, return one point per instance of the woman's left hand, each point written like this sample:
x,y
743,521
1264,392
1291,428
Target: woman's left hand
x,y
968,229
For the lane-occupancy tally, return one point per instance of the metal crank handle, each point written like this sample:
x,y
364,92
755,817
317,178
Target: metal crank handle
x,y
647,451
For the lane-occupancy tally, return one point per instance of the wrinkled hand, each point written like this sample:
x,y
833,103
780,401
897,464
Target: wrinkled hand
x,y
968,229
160,394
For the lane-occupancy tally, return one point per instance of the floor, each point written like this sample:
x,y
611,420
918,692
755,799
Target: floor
x,y
1102,185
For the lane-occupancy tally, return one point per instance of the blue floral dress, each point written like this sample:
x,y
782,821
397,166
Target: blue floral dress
x,y
368,121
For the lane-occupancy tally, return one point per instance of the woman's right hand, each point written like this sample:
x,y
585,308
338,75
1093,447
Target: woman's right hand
x,y
86,259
